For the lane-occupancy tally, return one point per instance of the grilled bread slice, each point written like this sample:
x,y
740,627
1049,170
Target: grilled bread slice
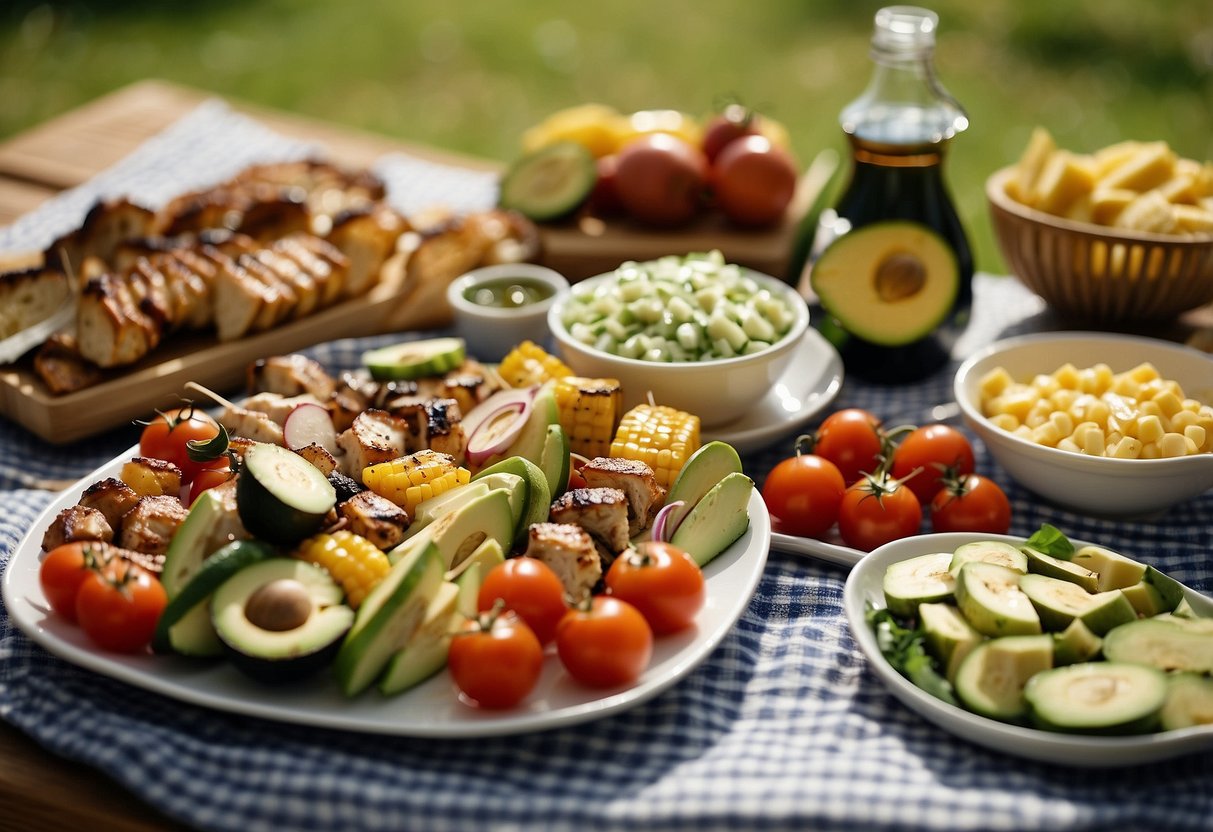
x,y
30,296
111,328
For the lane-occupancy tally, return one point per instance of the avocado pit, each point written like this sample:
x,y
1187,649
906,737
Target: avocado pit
x,y
900,275
279,606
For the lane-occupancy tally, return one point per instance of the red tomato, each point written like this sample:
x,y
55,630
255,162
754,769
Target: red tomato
x,y
495,660
604,198
661,179
726,127
64,569
208,478
934,449
118,607
753,181
529,587
166,437
803,494
662,581
971,503
605,645
851,439
877,511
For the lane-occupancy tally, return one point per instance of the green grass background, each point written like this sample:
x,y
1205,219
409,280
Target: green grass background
x,y
471,75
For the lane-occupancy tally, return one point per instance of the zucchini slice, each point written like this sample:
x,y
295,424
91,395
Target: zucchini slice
x,y
415,359
1097,698
550,182
281,496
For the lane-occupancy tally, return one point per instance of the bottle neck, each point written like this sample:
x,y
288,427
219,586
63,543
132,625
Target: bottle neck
x,y
904,103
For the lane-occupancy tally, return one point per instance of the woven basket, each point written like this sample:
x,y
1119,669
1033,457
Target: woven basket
x,y
1099,274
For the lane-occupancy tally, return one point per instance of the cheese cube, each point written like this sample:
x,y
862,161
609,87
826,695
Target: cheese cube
x,y
1147,167
1065,178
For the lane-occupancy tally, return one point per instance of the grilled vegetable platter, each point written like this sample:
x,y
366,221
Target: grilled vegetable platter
x,y
424,546
1052,649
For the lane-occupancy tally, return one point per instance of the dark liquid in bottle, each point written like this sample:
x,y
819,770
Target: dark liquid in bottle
x,y
903,182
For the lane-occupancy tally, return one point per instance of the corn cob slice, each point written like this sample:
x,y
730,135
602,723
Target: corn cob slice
x,y
659,436
589,410
409,480
354,562
528,364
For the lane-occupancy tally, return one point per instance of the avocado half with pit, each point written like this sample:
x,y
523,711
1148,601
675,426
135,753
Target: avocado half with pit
x,y
890,283
280,620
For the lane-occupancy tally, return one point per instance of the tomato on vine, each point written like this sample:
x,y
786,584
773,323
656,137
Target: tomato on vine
x,y
971,503
662,581
495,659
803,493
876,510
64,570
167,437
119,605
852,440
939,451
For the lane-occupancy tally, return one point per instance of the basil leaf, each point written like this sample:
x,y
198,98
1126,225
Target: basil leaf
x,y
1049,540
213,448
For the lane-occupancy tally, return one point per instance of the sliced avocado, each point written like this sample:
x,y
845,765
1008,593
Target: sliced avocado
x,y
719,519
1059,602
1075,644
280,619
1164,643
890,283
388,617
555,460
990,598
415,359
706,467
538,493
989,551
1145,599
550,182
487,555
1189,701
991,680
516,488
925,579
1170,591
194,540
185,625
1114,569
428,511
950,637
1184,610
458,533
425,653
1041,564
530,442
1097,698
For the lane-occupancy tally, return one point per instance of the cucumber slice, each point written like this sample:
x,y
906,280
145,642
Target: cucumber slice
x,y
1041,564
991,680
989,551
1170,591
990,597
1097,698
921,580
185,626
1059,602
1162,643
1114,569
415,359
950,637
1189,702
1075,644
550,182
281,497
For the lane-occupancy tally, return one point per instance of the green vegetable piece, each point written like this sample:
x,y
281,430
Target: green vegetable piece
x,y
1050,540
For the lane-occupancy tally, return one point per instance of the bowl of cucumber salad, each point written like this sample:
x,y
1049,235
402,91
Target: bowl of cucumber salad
x,y
1045,648
695,332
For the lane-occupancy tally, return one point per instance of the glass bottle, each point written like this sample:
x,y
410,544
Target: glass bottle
x,y
898,130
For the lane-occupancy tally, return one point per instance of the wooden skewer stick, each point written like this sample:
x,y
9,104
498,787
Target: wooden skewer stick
x,y
211,394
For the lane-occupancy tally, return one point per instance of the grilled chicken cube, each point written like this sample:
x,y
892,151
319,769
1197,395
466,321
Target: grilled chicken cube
x,y
277,406
367,238
432,423
77,523
375,436
251,424
376,518
110,328
61,367
633,478
238,445
570,552
149,527
290,375
321,459
152,477
603,512
112,497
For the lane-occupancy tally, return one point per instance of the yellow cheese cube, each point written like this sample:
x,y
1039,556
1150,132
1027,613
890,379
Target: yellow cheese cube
x,y
1107,203
1147,167
1127,448
1197,434
1065,178
1149,212
1181,187
1113,156
994,382
1040,147
1149,429
1192,218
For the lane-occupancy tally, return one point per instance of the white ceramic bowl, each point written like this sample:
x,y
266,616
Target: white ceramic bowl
x,y
491,332
864,586
717,391
1093,485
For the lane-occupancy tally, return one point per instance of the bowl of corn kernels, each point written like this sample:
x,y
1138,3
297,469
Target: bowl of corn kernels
x,y
1107,425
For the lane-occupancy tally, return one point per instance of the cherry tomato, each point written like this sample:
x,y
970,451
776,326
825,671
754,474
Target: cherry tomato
x,y
662,581
934,449
605,643
604,198
753,181
850,439
971,503
118,606
208,478
529,587
734,122
877,510
166,437
660,179
495,659
803,494
64,569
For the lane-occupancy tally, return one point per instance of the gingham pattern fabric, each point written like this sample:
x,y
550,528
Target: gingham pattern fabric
x,y
784,726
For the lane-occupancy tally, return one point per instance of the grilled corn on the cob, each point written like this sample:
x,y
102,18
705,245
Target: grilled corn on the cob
x,y
659,436
354,562
589,411
409,480
528,363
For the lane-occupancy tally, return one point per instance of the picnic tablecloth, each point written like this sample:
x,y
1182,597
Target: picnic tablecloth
x,y
783,726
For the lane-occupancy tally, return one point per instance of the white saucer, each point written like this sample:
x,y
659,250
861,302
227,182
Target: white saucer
x,y
810,383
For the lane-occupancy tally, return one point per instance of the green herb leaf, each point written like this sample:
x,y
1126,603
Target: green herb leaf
x,y
905,650
212,448
1049,540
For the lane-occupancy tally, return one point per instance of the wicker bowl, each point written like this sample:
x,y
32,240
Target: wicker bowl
x,y
1099,274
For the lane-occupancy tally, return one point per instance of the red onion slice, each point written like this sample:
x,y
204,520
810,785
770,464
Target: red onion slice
x,y
667,520
497,431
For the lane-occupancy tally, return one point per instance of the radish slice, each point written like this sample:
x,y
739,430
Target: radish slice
x,y
309,424
497,431
667,520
